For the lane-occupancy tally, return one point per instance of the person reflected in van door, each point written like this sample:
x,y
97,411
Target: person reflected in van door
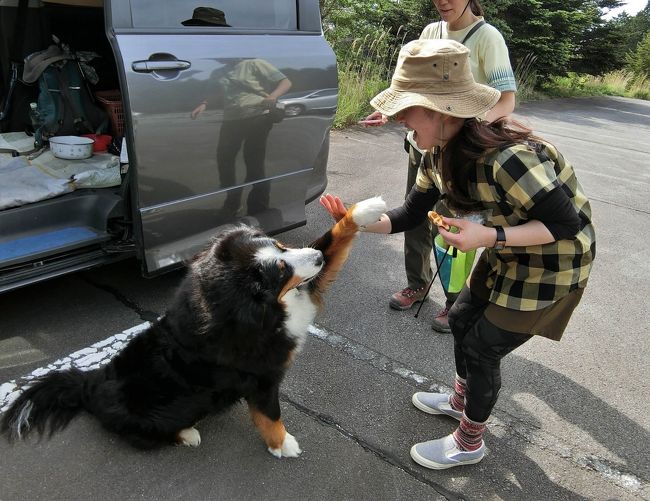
x,y
251,90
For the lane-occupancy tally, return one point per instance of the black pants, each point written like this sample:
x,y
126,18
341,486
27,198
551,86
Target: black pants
x,y
249,134
479,347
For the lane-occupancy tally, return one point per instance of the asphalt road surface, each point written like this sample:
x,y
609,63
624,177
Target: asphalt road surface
x,y
572,420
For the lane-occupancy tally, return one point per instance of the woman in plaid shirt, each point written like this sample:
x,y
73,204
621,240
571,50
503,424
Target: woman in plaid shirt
x,y
514,195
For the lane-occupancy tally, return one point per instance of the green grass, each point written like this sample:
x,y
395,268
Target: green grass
x,y
365,68
526,78
366,65
355,92
616,83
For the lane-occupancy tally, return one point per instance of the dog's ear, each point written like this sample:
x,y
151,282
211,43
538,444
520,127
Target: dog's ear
x,y
223,246
222,252
233,243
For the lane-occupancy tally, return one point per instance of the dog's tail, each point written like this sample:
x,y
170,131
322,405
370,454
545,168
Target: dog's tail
x,y
337,242
51,402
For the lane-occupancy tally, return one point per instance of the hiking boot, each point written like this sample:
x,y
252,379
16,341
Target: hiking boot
x,y
440,322
435,403
444,453
406,298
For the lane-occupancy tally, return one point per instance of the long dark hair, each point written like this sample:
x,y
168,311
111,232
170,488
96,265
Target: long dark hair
x,y
476,7
474,140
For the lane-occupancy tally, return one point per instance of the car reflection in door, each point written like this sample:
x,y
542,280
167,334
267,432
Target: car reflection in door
x,y
311,102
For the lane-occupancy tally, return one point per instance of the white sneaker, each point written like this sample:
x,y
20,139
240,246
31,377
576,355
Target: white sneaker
x,y
435,403
444,453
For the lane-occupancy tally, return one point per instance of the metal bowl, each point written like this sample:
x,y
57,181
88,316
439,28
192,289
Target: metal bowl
x,y
71,147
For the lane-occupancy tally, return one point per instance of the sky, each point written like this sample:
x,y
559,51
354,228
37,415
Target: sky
x,y
632,7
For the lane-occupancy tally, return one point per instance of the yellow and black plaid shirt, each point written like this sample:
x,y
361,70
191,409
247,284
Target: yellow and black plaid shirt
x,y
507,183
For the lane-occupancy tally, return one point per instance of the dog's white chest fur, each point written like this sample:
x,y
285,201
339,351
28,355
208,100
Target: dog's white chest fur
x,y
300,314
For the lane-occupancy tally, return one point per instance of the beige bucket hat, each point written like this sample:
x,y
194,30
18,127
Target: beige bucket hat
x,y
435,74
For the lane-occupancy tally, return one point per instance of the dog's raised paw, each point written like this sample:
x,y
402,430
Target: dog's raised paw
x,y
189,437
368,211
289,449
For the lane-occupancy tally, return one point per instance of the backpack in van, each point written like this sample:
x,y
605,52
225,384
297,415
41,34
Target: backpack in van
x,y
65,105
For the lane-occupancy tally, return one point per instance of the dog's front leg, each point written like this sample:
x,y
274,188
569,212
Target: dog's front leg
x,y
336,243
265,412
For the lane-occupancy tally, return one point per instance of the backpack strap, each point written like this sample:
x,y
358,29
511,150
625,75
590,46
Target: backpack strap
x,y
415,157
473,30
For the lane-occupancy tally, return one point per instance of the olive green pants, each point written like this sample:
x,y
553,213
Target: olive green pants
x,y
418,244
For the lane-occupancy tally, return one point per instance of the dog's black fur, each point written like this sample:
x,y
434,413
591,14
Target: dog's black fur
x,y
227,335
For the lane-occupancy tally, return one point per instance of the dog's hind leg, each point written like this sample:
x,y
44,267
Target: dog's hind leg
x,y
189,437
336,243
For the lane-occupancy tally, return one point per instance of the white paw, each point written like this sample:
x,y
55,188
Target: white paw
x,y
289,449
189,437
368,211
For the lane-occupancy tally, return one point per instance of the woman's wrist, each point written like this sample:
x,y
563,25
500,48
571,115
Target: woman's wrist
x,y
495,237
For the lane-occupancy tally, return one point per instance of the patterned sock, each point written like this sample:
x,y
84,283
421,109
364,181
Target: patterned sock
x,y
469,434
457,400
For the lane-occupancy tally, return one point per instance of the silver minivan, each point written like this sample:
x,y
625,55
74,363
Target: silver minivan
x,y
205,139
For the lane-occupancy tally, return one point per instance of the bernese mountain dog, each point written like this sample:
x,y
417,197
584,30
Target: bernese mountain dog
x,y
231,332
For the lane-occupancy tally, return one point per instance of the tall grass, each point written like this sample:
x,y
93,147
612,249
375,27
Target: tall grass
x,y
639,87
526,78
365,67
622,83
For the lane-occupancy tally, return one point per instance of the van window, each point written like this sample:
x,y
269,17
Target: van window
x,y
259,14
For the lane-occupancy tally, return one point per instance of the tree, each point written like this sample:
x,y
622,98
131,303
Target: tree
x,y
552,30
360,31
602,46
639,61
636,27
562,35
347,20
601,50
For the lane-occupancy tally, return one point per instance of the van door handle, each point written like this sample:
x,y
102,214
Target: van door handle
x,y
150,66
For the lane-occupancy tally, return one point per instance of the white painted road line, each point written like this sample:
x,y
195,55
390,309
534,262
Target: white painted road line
x,y
101,352
85,359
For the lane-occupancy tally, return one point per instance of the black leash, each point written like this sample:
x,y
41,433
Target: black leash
x,y
426,294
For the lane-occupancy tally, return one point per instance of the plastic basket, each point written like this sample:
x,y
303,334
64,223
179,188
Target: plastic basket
x,y
111,101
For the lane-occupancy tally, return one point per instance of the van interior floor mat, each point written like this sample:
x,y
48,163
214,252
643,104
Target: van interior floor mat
x,y
39,231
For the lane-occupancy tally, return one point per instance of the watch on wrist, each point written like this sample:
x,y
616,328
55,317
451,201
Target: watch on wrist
x,y
501,238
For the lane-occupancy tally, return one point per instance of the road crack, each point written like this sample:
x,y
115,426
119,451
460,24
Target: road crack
x,y
330,422
144,314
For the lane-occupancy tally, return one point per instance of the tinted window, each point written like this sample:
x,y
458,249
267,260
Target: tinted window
x,y
259,14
